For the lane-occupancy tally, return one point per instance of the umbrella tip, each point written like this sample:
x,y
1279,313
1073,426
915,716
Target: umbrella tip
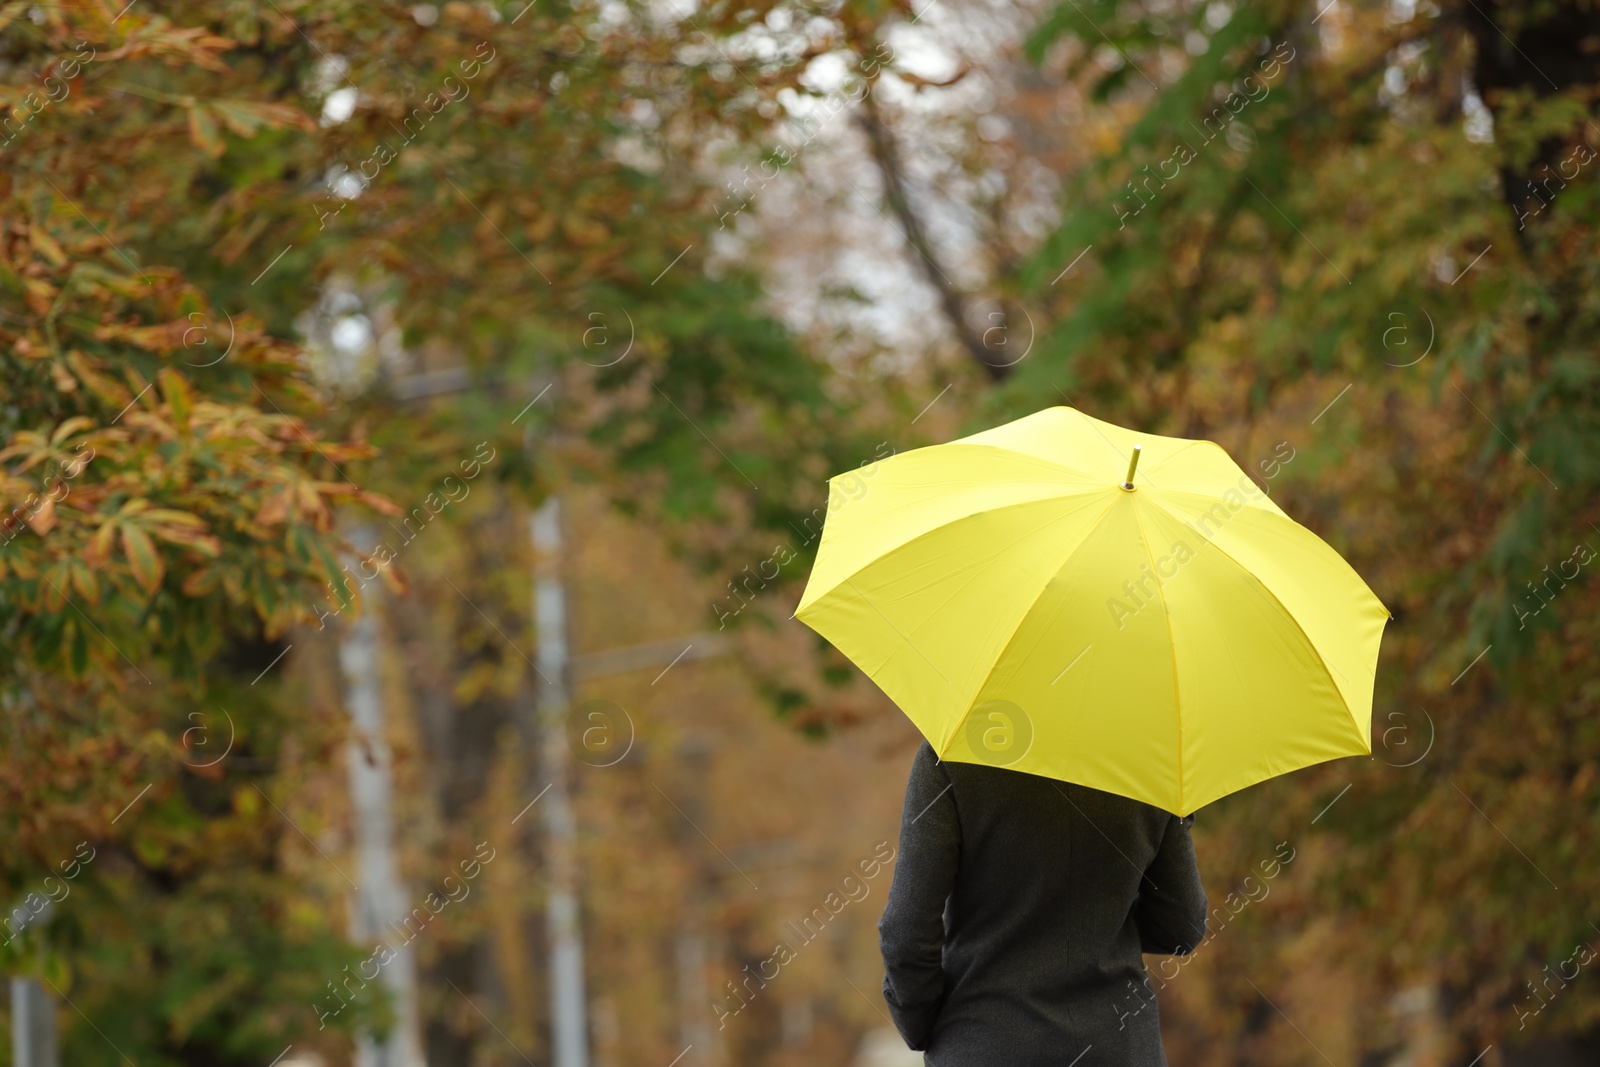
x,y
1127,483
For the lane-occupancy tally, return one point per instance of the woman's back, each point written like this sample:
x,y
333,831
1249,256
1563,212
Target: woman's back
x,y
1020,905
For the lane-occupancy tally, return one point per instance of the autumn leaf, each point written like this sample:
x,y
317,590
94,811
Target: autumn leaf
x,y
200,582
203,130
69,427
46,245
275,508
142,557
85,582
12,11
99,549
245,117
45,518
179,397
54,594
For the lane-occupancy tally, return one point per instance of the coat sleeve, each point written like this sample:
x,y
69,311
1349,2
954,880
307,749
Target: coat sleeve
x,y
1171,912
911,932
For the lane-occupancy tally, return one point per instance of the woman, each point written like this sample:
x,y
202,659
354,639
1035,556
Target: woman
x,y
1019,908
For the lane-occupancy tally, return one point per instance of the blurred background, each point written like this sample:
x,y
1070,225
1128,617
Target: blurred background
x,y
414,437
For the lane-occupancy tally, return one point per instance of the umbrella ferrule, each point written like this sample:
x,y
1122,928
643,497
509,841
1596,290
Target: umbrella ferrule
x,y
1127,483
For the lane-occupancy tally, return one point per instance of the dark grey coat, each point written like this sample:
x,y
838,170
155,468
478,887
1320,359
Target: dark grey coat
x,y
1019,908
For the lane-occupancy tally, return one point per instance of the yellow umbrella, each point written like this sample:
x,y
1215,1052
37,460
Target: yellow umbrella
x,y
1037,597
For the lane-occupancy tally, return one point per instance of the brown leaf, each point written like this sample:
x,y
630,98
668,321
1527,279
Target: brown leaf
x,y
99,550
45,518
275,508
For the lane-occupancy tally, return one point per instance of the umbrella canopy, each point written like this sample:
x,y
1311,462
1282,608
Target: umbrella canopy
x,y
1172,642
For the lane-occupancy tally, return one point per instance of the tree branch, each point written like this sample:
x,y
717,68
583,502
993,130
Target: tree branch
x,y
951,300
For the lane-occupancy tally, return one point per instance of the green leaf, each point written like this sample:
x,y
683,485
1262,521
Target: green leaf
x,y
78,651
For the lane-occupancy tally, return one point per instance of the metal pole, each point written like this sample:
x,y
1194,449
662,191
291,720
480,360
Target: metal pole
x,y
380,903
567,994
33,1025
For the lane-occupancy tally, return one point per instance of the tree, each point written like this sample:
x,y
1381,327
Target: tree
x,y
1297,202
182,189
158,523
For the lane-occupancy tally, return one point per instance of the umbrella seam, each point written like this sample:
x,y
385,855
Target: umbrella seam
x,y
1301,630
1254,505
1087,490
974,577
967,442
962,715
1159,463
1193,442
868,602
1166,616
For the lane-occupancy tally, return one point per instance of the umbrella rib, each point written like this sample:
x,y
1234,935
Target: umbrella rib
x,y
1170,456
868,602
1327,668
1172,645
1095,425
967,442
1254,505
1023,617
808,598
